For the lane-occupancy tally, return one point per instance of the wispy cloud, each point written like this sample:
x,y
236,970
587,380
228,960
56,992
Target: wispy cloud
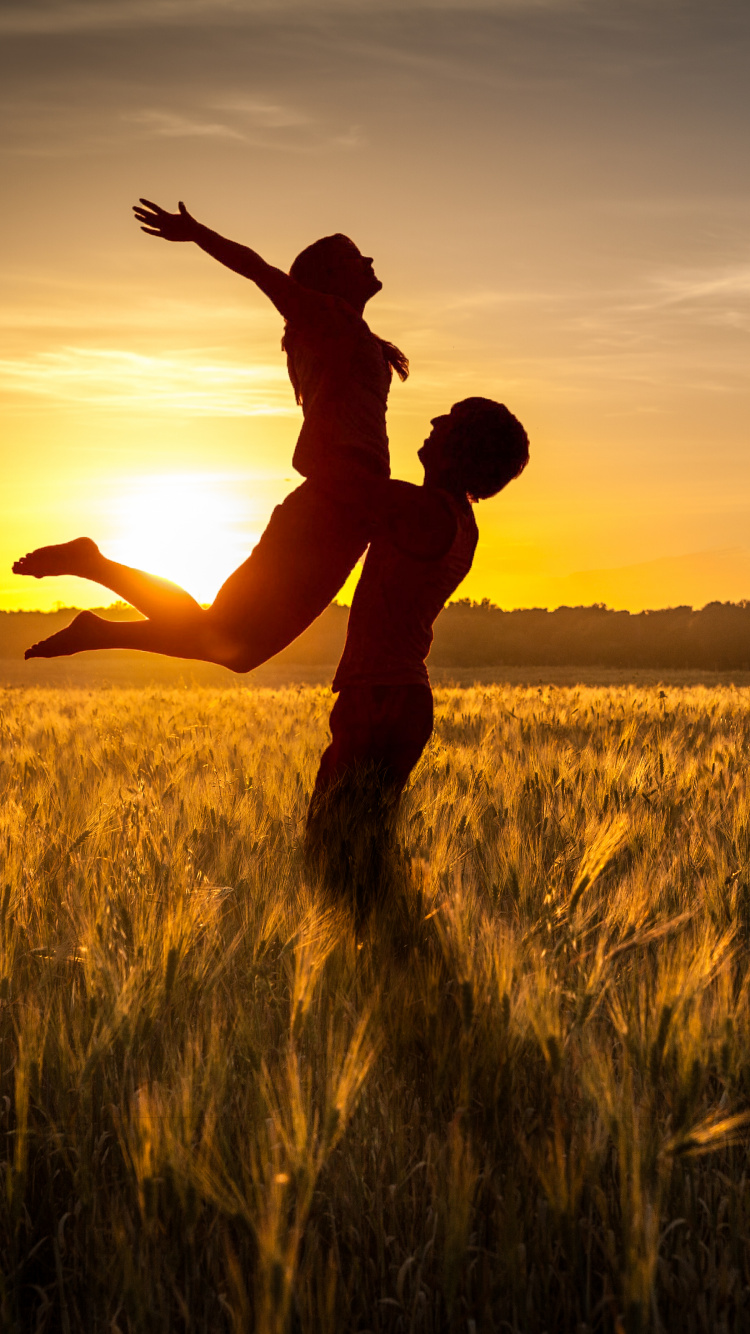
x,y
40,17
269,115
123,312
49,127
261,124
705,285
170,125
176,383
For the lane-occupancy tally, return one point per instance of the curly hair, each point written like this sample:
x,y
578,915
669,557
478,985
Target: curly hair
x,y
489,445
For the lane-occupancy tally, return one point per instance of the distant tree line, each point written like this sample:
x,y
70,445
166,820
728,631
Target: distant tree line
x,y
479,634
716,638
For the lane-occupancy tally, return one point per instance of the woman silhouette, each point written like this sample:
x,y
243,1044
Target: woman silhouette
x,y
341,374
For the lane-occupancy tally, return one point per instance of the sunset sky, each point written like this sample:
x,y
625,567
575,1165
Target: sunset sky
x,y
557,199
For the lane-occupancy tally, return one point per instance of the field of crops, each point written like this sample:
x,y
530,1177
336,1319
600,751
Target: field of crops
x,y
516,1101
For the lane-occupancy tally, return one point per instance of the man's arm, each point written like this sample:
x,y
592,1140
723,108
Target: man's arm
x,y
290,299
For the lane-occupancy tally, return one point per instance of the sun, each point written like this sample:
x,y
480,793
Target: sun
x,y
192,528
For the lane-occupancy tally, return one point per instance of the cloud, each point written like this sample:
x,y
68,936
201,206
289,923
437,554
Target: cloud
x,y
259,124
49,126
269,115
182,382
170,125
251,112
705,285
41,17
48,306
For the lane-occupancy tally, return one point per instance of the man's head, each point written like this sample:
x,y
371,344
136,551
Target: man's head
x,y
477,447
336,266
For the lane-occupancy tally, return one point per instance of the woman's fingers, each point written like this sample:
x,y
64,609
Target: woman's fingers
x,y
158,222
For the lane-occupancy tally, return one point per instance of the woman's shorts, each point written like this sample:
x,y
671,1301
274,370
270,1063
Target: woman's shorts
x,y
311,544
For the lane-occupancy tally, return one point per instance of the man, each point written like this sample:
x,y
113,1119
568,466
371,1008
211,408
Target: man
x,y
422,549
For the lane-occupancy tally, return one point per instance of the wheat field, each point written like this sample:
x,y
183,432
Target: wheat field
x,y
515,1100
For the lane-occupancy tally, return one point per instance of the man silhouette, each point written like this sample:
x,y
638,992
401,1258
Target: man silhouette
x,y
422,548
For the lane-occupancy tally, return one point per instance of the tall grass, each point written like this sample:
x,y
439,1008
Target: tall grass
x,y
514,1101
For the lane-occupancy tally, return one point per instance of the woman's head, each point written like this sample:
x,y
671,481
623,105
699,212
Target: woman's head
x,y
335,266
478,447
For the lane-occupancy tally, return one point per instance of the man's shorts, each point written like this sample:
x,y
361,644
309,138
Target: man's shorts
x,y
383,727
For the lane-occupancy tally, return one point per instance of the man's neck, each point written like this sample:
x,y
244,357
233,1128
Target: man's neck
x,y
446,482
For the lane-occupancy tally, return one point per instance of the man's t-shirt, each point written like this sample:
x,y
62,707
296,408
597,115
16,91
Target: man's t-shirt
x,y
396,602
343,380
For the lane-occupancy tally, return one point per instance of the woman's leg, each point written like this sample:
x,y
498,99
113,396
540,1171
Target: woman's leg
x,y
312,542
193,636
152,596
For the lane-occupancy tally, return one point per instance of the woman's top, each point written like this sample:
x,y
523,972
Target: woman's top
x,y
396,601
342,380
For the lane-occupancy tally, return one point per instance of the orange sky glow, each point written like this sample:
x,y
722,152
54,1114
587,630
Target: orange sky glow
x,y
554,197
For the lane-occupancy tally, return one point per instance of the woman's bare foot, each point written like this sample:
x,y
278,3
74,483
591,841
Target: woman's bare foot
x,y
76,557
86,631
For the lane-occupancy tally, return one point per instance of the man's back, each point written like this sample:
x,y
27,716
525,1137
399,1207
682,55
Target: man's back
x,y
401,591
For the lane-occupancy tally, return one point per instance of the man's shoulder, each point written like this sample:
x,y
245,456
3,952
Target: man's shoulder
x,y
421,521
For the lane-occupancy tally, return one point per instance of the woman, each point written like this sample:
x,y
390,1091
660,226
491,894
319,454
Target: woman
x,y
341,374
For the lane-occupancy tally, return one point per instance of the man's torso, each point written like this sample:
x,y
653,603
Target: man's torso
x,y
395,604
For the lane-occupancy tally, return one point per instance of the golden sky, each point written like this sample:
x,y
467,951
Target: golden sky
x,y
557,200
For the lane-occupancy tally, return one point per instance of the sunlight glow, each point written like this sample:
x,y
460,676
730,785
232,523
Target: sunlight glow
x,y
193,528
183,382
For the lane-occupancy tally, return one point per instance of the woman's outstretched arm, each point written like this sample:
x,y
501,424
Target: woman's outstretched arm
x,y
290,299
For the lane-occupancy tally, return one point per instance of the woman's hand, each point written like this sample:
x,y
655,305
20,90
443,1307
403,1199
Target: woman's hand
x,y
170,226
291,300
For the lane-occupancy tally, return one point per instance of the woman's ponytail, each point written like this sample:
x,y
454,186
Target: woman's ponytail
x,y
395,358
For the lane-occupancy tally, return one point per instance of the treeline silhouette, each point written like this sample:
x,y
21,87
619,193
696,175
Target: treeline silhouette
x,y
479,634
716,638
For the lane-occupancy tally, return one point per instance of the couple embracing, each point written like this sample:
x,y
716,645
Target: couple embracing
x,y
421,539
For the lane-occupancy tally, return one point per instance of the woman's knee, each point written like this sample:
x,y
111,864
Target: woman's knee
x,y
235,654
223,644
235,658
